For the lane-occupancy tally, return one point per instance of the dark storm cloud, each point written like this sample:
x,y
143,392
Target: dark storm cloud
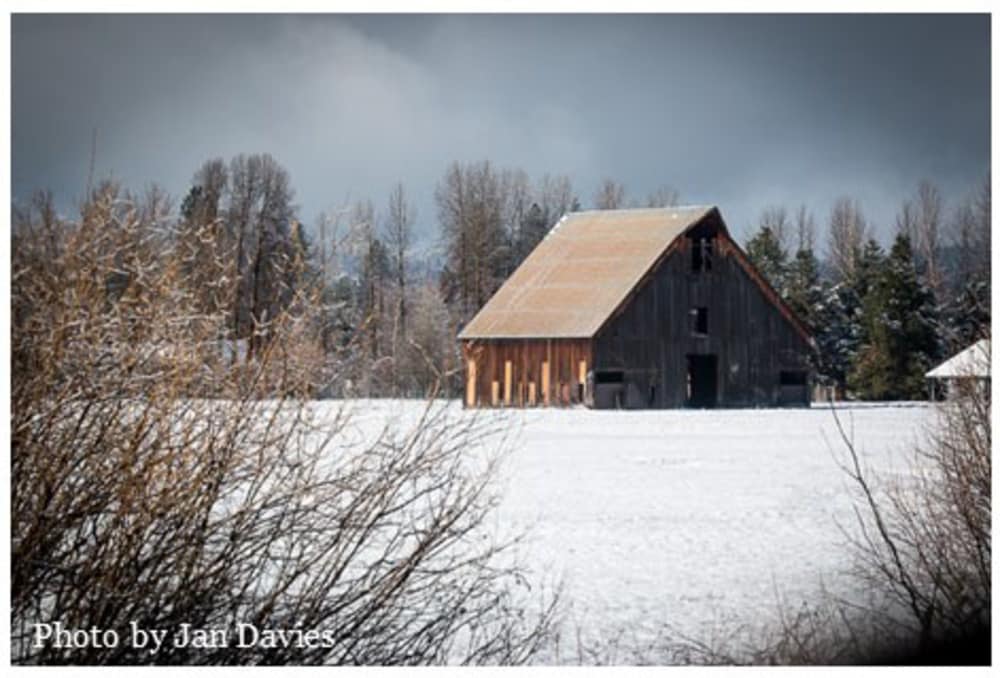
x,y
739,111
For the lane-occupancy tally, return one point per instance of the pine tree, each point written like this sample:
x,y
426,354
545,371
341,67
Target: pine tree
x,y
966,308
534,226
767,255
818,305
836,340
804,293
869,265
852,293
899,327
968,315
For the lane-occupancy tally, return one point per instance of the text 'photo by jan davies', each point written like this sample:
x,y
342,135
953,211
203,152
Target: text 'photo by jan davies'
x,y
486,339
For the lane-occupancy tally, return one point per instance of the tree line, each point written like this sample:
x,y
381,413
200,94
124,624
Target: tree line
x,y
882,319
388,309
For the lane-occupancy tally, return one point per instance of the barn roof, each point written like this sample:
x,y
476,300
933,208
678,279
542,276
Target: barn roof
x,y
581,272
972,362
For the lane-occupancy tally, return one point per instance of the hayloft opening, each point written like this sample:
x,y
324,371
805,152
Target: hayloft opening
x,y
701,254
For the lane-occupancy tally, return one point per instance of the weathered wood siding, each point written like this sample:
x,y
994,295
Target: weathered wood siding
x,y
517,367
650,338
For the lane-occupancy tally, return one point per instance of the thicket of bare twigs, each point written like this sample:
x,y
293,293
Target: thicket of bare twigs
x,y
922,559
925,540
162,475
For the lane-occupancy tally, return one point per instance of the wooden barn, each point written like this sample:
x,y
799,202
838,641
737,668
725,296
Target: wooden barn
x,y
640,308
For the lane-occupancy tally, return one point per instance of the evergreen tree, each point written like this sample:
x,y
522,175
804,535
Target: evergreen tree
x,y
818,305
899,326
836,340
804,292
966,308
534,226
767,255
869,264
968,315
851,295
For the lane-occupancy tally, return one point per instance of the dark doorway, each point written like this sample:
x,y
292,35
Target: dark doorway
x,y
609,389
793,388
702,381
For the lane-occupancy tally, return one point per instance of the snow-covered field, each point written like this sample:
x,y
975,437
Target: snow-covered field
x,y
692,519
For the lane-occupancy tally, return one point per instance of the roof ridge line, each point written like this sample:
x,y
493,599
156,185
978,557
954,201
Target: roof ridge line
x,y
643,209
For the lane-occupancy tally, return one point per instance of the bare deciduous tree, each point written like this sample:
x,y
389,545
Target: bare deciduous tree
x,y
399,220
970,234
775,218
610,195
516,195
555,197
471,205
134,501
805,230
848,232
921,220
258,216
664,196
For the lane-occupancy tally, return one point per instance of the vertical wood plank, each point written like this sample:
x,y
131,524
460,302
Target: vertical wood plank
x,y
507,379
470,384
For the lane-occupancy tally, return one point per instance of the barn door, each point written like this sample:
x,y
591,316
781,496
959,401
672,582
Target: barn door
x,y
703,381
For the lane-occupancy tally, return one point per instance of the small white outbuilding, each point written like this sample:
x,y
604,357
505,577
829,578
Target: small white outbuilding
x,y
970,365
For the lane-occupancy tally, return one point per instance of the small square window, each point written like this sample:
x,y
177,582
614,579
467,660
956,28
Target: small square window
x,y
699,320
792,378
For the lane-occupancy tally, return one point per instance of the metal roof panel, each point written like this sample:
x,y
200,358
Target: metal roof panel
x,y
580,273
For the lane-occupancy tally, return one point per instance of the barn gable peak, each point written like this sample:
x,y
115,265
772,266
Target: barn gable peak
x,y
579,274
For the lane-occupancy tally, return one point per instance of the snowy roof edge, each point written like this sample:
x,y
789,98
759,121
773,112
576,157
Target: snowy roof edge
x,y
974,361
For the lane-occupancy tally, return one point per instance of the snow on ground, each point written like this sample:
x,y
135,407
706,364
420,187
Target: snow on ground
x,y
688,518
684,518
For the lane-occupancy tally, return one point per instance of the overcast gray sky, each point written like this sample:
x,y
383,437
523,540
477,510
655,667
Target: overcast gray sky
x,y
738,111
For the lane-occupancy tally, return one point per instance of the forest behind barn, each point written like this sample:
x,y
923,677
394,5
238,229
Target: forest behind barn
x,y
389,305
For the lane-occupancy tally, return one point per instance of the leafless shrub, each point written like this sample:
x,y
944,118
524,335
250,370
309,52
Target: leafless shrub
x,y
922,555
921,558
825,630
133,501
925,541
